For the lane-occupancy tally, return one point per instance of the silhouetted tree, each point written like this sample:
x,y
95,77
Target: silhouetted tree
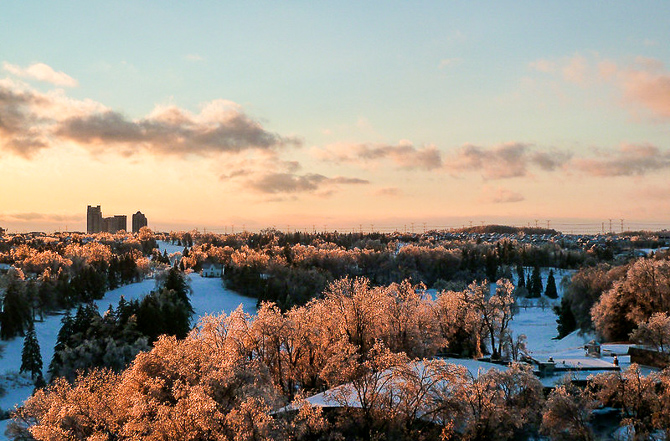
x,y
550,291
535,285
31,359
521,276
16,316
566,320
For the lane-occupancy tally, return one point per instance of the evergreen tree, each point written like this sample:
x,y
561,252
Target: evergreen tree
x,y
16,316
521,276
550,291
31,359
491,265
535,285
566,320
62,341
176,281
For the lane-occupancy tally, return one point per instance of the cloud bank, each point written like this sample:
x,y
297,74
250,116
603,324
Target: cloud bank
x,y
31,121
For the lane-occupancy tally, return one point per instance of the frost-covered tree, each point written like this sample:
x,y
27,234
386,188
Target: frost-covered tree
x,y
496,311
634,299
567,413
460,325
585,289
636,395
655,332
500,405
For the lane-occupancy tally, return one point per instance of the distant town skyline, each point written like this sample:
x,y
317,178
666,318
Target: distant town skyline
x,y
336,115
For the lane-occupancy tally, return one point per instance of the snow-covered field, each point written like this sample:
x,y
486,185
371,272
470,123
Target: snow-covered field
x,y
208,297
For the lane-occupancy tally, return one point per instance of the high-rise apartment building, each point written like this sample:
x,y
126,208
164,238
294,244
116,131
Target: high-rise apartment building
x,y
95,223
139,221
93,219
114,224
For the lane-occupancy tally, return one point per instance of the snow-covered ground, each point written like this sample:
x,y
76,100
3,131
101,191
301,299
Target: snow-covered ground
x,y
208,297
169,247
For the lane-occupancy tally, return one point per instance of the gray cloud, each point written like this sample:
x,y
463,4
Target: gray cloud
x,y
233,133
19,128
404,155
290,183
504,161
30,121
629,160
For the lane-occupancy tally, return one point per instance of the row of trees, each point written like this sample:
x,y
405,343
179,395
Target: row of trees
x,y
371,347
223,379
42,280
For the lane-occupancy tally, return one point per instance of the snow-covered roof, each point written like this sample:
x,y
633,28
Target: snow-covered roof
x,y
327,398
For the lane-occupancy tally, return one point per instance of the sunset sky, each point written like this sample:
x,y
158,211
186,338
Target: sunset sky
x,y
335,114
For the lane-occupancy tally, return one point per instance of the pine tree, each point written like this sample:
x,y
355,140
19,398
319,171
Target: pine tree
x,y
566,320
535,285
31,359
62,341
550,290
15,316
521,276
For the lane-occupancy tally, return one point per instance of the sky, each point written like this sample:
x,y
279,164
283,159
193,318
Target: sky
x,y
335,115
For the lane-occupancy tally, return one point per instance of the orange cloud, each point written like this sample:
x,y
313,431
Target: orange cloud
x,y
644,83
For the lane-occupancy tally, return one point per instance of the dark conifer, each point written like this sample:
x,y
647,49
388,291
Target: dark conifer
x,y
550,290
520,276
16,316
566,320
31,359
535,286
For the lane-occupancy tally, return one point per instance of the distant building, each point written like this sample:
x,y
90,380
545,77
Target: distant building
x,y
2,231
115,223
139,221
95,223
212,270
93,219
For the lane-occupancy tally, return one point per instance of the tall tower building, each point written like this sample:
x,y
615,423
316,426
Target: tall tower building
x,y
93,219
139,221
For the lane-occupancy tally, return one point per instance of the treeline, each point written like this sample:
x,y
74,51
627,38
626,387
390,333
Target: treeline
x,y
290,269
370,347
51,273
